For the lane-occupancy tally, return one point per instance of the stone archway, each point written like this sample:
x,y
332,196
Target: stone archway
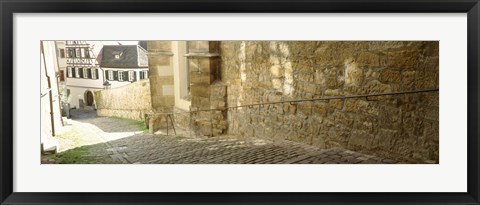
x,y
88,97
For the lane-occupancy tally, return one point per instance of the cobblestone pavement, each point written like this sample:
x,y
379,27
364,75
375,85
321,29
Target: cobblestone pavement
x,y
119,142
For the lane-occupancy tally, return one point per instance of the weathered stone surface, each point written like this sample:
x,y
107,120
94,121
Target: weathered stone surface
x,y
391,125
390,76
114,102
353,74
368,59
159,46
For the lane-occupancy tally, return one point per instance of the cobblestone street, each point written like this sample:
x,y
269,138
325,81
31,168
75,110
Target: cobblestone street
x,y
103,140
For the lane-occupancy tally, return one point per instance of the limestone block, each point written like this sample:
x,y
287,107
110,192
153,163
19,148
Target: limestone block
x,y
408,79
390,76
336,103
157,61
320,109
403,59
201,77
276,71
305,107
201,90
159,45
353,74
368,59
375,87
198,46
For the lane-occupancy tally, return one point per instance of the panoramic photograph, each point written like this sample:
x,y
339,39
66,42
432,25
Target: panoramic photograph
x,y
239,102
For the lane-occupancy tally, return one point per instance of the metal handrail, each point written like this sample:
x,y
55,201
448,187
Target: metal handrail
x,y
320,99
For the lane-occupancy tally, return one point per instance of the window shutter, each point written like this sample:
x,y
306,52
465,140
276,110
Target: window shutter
x,y
134,76
68,72
125,76
74,74
96,73
89,73
80,72
106,75
62,53
115,75
62,75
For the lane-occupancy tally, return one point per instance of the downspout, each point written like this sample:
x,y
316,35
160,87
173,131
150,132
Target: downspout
x,y
49,90
60,105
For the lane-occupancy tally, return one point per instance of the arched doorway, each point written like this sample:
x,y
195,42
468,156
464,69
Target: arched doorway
x,y
89,98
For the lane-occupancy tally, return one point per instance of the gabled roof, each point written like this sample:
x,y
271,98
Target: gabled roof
x,y
123,56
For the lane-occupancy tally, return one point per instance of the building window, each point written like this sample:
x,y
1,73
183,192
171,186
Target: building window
x,y
131,76
87,53
143,75
120,76
109,74
69,53
88,73
70,72
81,73
115,75
77,53
82,52
94,73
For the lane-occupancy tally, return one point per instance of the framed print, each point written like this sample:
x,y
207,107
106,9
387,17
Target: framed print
x,y
239,102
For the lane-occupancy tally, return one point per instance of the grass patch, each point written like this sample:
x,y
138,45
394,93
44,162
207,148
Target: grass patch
x,y
137,123
74,156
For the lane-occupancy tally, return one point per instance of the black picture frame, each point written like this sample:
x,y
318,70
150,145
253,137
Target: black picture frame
x,y
9,7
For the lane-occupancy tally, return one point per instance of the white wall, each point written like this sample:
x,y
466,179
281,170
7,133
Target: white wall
x,y
77,93
48,70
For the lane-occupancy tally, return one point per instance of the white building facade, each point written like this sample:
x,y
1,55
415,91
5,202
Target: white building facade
x,y
80,68
123,64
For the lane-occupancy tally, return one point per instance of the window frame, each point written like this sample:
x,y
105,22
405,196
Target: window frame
x,y
131,76
120,76
110,75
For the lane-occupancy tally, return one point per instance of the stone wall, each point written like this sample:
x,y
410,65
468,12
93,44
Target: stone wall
x,y
207,90
161,75
182,119
403,127
131,101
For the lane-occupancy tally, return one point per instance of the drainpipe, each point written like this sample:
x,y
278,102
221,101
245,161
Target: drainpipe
x,y
60,105
49,91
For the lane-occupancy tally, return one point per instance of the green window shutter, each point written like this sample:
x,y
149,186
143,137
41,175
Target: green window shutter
x,y
89,72
80,72
96,73
106,75
134,76
115,75
74,75
68,71
125,76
